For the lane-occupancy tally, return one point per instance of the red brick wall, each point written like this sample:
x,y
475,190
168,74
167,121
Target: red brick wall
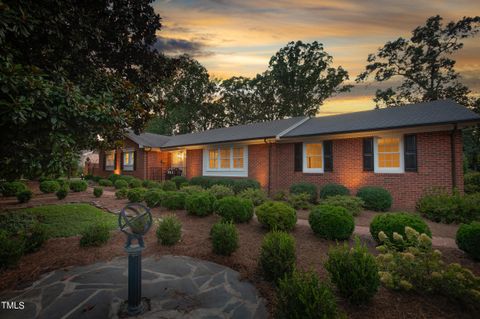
x,y
258,163
194,162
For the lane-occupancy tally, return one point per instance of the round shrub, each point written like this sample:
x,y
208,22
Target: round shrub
x,y
114,177
331,222
49,186
135,195
220,191
153,197
468,239
192,189
95,235
200,204
240,185
169,186
121,193
352,204
11,249
24,196
257,196
308,188
120,183
201,181
396,222
375,198
78,186
440,206
276,215
134,183
280,196
97,191
299,201
174,200
234,209
12,188
179,180
328,190
169,231
62,193
151,184
63,182
354,271
303,295
105,182
35,236
224,237
277,255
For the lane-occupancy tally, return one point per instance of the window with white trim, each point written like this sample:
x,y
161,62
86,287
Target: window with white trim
x,y
313,157
128,160
110,161
225,161
389,154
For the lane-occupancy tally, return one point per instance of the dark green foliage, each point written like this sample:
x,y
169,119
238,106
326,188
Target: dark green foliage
x,y
441,206
354,271
120,183
308,188
299,201
114,177
121,193
134,183
472,182
240,185
11,249
237,185
62,193
105,182
302,295
12,188
97,191
192,189
468,239
179,180
95,235
396,222
65,182
35,235
169,186
224,237
200,204
328,190
234,209
277,255
257,196
151,184
331,222
135,195
276,216
375,198
221,191
24,196
49,186
169,230
202,181
174,200
280,196
153,197
352,204
78,186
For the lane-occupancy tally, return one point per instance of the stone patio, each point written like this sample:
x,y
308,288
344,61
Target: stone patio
x,y
177,286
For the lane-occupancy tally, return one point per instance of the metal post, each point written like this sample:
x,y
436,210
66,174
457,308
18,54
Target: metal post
x,y
135,306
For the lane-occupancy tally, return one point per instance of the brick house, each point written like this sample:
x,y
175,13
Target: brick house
x,y
406,150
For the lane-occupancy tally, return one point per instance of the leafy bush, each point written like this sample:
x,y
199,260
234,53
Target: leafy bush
x,y
470,208
24,196
237,185
62,193
114,177
11,249
234,209
280,196
169,186
153,197
331,222
328,190
78,186
136,195
220,191
299,201
277,255
151,184
12,188
302,295
63,182
174,200
472,182
200,204
201,181
257,196
224,238
375,198
276,215
169,230
352,204
97,191
440,206
120,183
468,239
121,193
179,180
35,235
95,235
354,271
105,182
192,189
395,223
308,188
49,186
134,183
240,185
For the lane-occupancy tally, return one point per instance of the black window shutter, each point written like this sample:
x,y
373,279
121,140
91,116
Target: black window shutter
x,y
134,160
410,152
328,156
298,157
368,157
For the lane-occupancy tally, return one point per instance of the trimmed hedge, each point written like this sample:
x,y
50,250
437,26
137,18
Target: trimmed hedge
x,y
134,183
276,216
105,182
468,239
299,201
224,237
169,231
62,193
328,190
35,235
237,185
150,184
95,235
12,188
98,191
277,255
136,195
121,193
179,180
308,188
174,200
153,197
200,204
114,177
24,196
257,196
331,222
220,191
169,186
396,222
120,183
375,198
352,204
78,186
11,249
234,209
47,187
192,189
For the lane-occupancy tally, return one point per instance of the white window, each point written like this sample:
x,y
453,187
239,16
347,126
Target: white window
x,y
110,161
225,161
388,154
128,160
313,157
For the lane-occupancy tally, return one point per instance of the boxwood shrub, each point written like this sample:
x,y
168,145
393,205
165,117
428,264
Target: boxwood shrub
x,y
231,208
200,204
153,197
114,177
257,196
221,191
134,183
308,188
78,186
49,186
136,195
174,200
240,185
331,222
24,196
97,191
121,193
120,183
277,255
192,189
276,215
396,222
224,237
179,180
12,188
332,189
35,235
201,181
472,182
169,186
352,204
105,182
375,198
11,249
169,230
95,235
299,201
468,239
62,193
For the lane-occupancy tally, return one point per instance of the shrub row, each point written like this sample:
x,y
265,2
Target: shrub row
x,y
441,206
237,185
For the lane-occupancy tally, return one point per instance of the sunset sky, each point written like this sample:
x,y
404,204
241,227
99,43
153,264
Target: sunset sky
x,y
238,37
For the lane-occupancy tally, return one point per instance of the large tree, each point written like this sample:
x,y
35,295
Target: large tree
x,y
422,64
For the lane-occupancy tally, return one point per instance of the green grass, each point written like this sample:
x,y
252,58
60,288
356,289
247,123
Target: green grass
x,y
65,220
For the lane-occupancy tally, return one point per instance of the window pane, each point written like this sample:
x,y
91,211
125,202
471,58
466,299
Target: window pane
x,y
313,149
238,163
225,157
389,152
110,159
238,152
314,162
213,158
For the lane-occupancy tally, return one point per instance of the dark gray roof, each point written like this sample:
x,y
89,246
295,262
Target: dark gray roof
x,y
234,133
428,113
148,139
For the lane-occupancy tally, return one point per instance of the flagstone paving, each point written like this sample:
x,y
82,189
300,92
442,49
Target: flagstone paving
x,y
177,286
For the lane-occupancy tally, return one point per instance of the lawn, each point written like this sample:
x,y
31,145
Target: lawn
x,y
61,220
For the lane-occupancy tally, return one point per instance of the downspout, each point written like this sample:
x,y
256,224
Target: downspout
x,y
453,157
269,165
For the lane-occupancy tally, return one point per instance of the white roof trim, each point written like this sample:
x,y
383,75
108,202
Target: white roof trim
x,y
279,135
